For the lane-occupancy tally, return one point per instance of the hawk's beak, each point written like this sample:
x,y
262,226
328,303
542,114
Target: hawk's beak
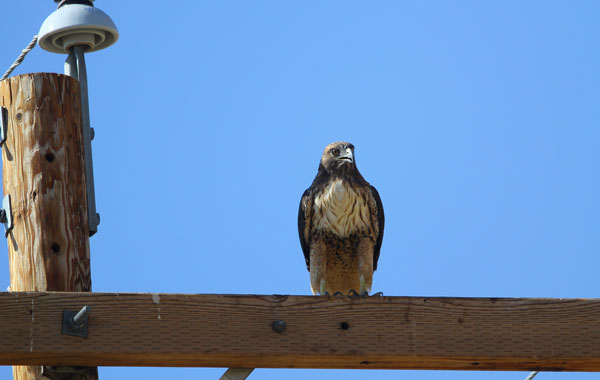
x,y
347,155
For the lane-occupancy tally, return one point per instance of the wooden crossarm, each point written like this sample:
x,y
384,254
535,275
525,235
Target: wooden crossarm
x,y
208,330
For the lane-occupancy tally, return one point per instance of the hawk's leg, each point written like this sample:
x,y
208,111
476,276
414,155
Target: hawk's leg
x,y
363,288
322,288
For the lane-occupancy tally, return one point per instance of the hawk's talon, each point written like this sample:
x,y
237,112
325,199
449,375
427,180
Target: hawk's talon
x,y
380,294
352,293
338,294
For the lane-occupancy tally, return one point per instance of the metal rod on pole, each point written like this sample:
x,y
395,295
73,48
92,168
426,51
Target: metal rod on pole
x,y
78,52
71,65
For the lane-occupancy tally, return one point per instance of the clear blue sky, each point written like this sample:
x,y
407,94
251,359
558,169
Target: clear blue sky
x,y
477,121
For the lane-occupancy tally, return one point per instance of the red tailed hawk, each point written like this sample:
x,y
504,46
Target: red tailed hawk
x,y
340,223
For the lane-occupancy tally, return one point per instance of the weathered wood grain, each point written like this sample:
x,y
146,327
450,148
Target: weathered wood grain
x,y
321,332
43,171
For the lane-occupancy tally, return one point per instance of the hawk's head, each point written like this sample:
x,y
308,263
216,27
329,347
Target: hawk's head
x,y
338,156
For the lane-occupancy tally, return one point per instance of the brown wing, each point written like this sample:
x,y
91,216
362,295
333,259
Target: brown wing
x,y
380,222
304,221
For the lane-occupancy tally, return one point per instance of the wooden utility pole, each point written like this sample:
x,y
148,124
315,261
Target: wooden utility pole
x,y
43,172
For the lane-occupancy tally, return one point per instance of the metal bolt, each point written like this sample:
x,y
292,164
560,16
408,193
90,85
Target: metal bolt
x,y
279,326
92,133
80,318
3,218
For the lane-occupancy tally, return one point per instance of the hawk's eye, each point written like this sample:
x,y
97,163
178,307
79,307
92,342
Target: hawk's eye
x,y
335,152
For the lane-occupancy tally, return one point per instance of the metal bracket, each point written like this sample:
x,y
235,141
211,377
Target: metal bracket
x,y
76,322
6,215
236,374
59,372
3,124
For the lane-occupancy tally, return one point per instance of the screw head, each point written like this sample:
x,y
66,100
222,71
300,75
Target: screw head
x,y
279,326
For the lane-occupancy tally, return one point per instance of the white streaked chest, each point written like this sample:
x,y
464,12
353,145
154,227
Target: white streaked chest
x,y
341,210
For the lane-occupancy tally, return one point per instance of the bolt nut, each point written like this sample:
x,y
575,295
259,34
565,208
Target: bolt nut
x,y
279,326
